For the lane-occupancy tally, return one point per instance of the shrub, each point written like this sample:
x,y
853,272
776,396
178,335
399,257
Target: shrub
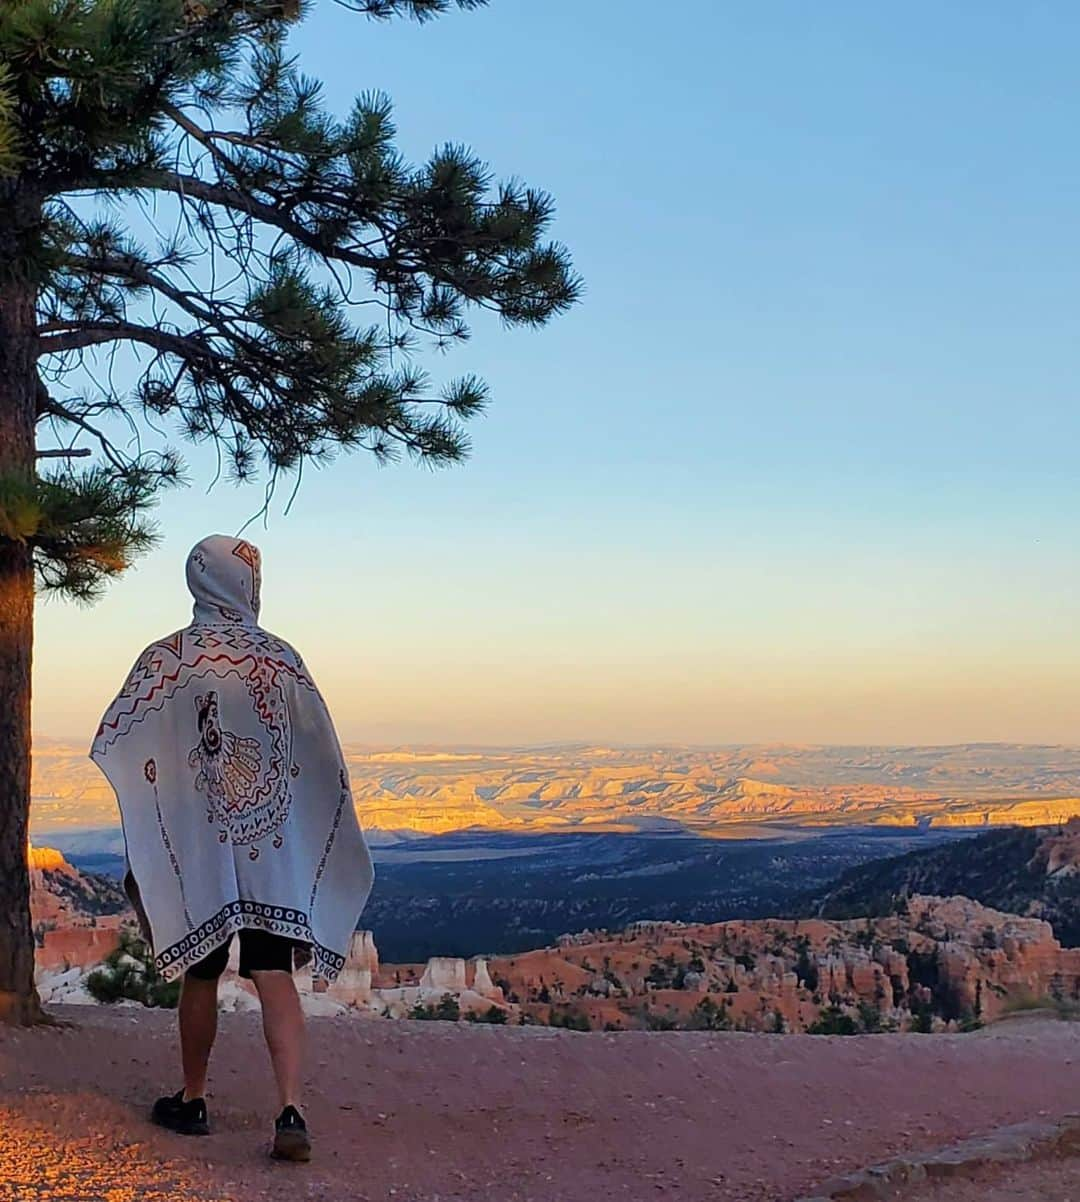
x,y
129,974
805,968
1064,1008
492,1015
924,970
708,1016
446,1010
659,975
660,1022
922,1020
869,1018
833,1021
570,1020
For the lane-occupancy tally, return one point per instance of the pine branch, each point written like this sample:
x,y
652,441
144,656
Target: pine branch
x,y
419,10
290,221
89,333
120,462
246,205
10,138
552,288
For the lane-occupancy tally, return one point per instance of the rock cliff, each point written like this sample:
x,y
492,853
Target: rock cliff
x,y
63,897
1028,871
941,962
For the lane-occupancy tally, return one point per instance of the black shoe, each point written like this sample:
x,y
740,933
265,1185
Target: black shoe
x,y
291,1139
185,1118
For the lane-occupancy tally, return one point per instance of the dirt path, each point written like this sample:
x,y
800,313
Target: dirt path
x,y
1051,1182
432,1112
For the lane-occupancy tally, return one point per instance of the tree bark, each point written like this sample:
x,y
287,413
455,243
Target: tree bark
x,y
19,1001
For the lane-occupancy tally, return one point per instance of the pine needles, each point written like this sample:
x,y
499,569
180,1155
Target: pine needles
x,y
307,266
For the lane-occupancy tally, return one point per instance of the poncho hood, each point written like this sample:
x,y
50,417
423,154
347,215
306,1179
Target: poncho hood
x,y
233,790
225,578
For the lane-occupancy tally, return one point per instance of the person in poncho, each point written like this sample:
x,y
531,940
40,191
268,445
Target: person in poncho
x,y
238,821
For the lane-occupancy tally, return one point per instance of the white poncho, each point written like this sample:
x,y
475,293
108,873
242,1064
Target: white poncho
x,y
233,791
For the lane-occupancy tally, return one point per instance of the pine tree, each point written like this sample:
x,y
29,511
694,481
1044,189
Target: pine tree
x,y
307,262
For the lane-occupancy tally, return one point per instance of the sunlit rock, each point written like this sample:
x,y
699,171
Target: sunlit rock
x,y
444,973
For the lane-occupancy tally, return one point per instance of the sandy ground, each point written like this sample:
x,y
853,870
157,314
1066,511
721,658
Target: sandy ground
x,y
433,1112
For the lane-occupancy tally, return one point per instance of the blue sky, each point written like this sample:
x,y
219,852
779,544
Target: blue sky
x,y
801,466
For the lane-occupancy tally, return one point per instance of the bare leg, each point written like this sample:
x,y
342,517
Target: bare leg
x,y
198,1027
283,1026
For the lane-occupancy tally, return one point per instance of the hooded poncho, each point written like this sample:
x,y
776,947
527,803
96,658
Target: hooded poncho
x,y
233,791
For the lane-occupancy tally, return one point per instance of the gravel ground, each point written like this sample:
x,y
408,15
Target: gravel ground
x,y
1053,1181
434,1112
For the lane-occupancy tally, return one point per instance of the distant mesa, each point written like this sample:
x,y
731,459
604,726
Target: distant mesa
x,y
429,790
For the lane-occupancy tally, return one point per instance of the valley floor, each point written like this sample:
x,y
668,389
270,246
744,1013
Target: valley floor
x,y
436,1112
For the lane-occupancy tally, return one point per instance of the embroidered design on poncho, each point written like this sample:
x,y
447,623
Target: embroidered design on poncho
x,y
248,799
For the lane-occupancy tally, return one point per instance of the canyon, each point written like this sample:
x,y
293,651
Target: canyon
x,y
941,963
933,965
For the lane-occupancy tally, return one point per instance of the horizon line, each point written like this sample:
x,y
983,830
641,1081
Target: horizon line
x,y
659,745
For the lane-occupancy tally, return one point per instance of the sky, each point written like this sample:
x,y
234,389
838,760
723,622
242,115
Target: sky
x,y
801,466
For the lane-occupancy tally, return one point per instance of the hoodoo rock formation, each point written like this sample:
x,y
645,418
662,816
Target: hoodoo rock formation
x,y
444,973
939,962
943,962
467,983
353,985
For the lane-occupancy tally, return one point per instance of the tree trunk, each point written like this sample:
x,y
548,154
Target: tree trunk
x,y
19,1001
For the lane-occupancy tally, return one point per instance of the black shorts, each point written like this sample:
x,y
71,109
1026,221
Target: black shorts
x,y
259,952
